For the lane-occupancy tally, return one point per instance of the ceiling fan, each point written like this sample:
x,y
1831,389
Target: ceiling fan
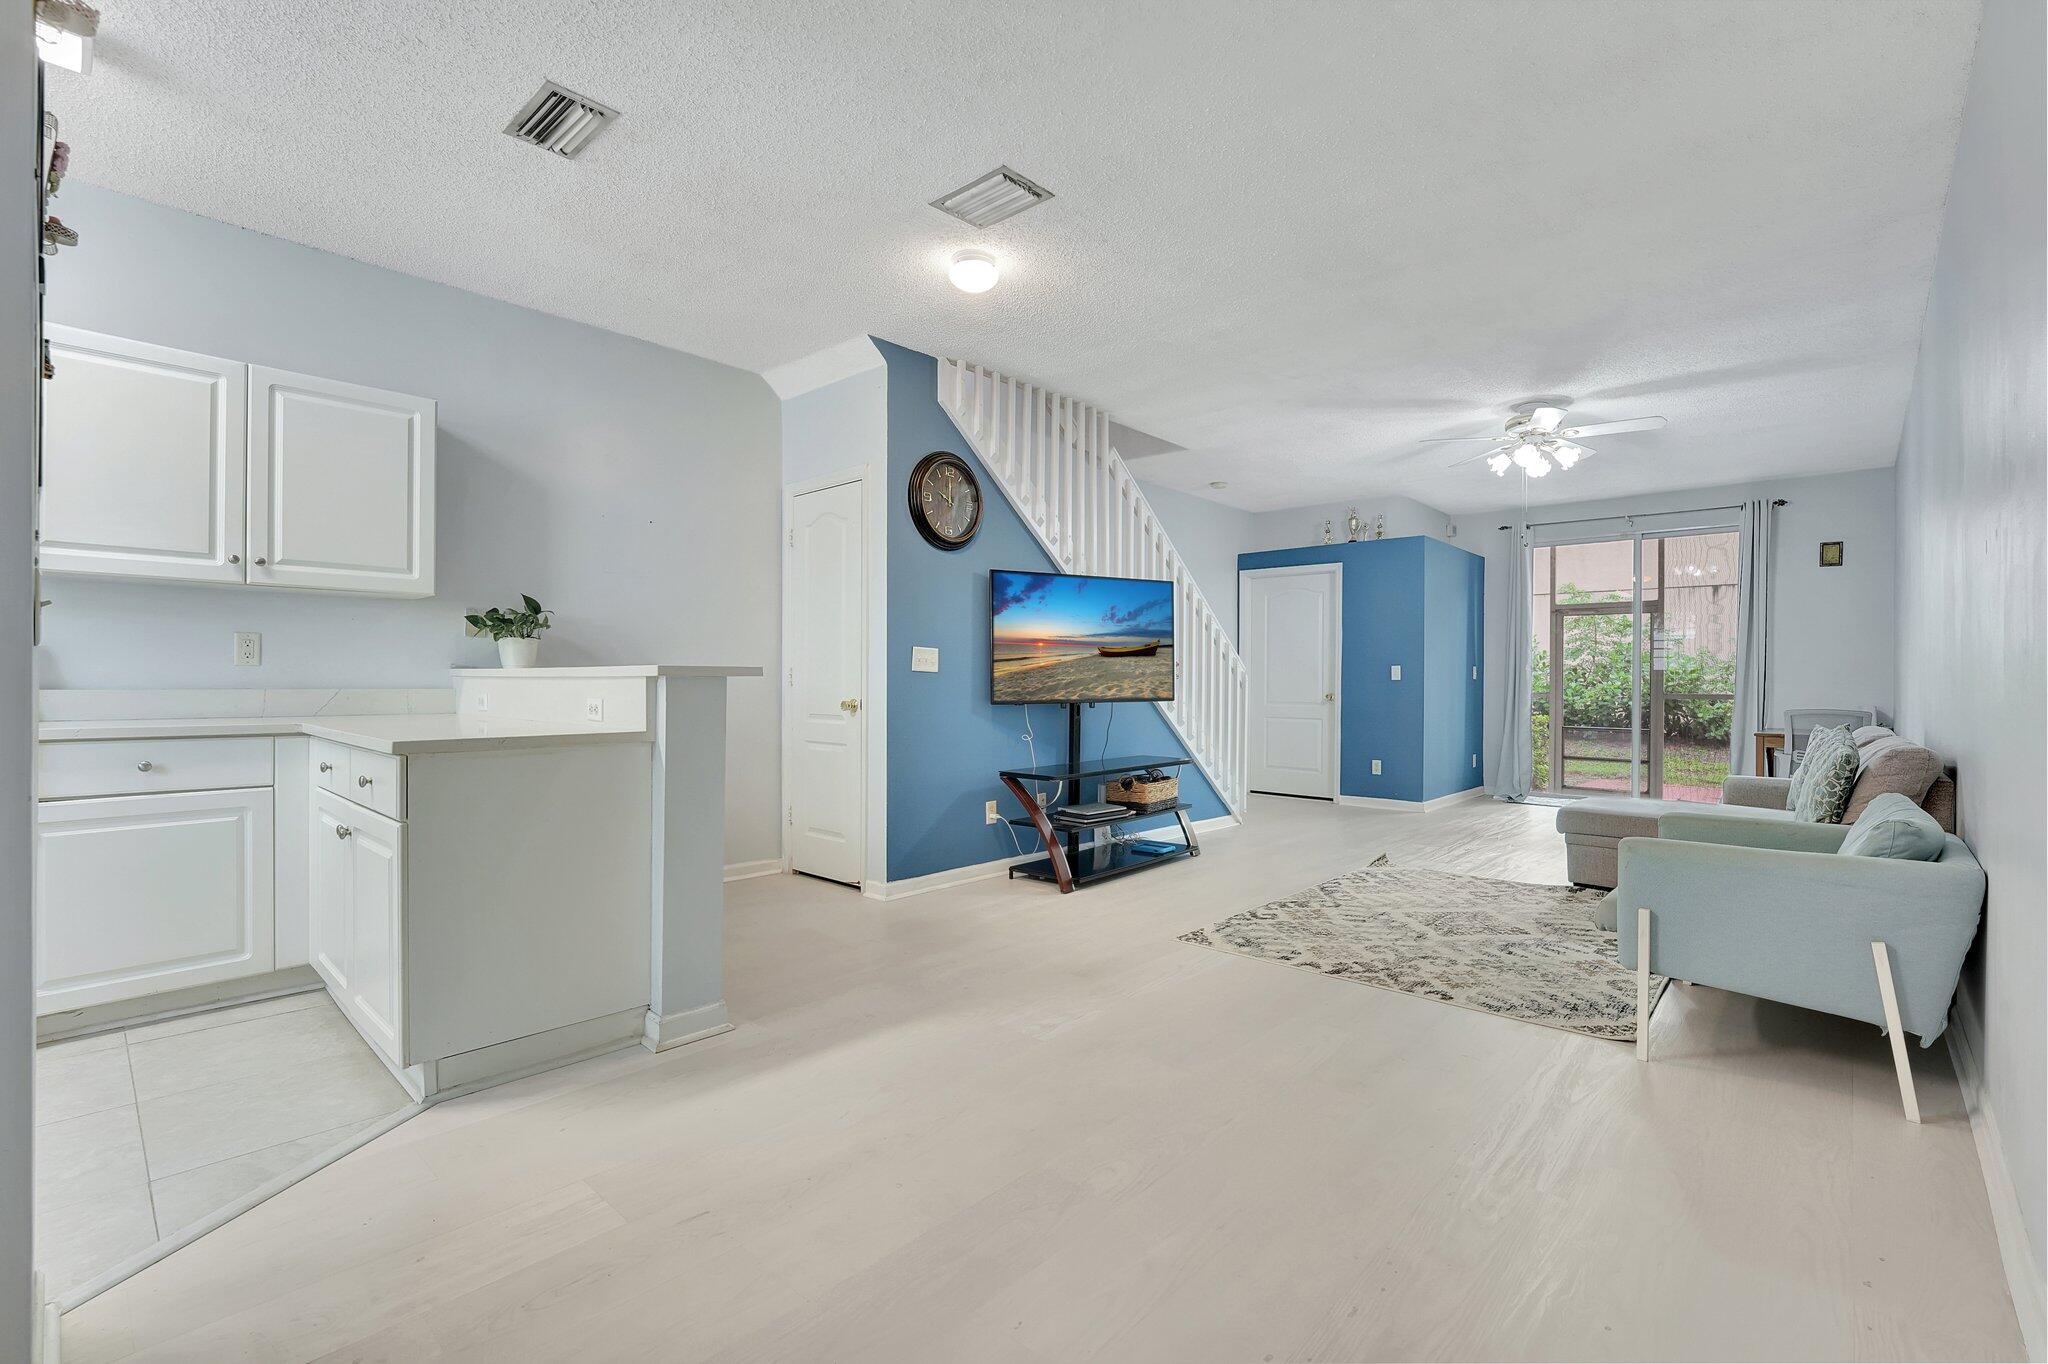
x,y
1536,435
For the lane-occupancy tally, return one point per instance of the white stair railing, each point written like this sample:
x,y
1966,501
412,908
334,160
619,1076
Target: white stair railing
x,y
1052,456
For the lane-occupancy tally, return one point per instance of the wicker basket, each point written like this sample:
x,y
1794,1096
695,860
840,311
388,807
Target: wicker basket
x,y
1147,791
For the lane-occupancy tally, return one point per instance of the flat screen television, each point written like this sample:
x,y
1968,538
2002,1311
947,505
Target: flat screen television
x,y
1063,637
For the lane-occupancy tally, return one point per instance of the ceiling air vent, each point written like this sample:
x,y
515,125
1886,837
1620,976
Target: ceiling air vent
x,y
1000,194
560,121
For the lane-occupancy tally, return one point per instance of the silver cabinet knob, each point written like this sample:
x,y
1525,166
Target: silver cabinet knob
x,y
362,781
260,561
326,767
342,831
144,766
234,558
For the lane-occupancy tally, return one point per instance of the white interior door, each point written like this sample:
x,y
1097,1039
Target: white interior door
x,y
144,460
1292,635
827,638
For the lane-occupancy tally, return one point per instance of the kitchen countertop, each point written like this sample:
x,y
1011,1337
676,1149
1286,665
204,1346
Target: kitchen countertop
x,y
395,734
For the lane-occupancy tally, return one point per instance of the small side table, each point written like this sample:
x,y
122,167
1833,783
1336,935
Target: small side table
x,y
1768,741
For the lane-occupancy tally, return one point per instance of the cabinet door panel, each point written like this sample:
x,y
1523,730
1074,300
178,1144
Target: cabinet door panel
x,y
327,902
341,486
376,888
145,460
141,894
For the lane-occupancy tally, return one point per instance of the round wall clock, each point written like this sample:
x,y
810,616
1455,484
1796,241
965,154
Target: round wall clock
x,y
945,500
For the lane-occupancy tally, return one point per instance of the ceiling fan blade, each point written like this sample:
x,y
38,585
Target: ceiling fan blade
x,y
1611,428
1470,459
1445,440
1546,418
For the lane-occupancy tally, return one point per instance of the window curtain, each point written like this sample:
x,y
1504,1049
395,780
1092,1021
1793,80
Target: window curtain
x,y
1753,656
1517,756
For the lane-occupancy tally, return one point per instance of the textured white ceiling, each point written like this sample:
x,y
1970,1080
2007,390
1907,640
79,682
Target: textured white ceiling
x,y
1291,238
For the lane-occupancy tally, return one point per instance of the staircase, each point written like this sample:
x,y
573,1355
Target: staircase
x,y
1052,456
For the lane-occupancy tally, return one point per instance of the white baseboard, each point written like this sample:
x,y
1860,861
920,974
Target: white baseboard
x,y
746,871
2023,1276
1413,807
691,1025
982,871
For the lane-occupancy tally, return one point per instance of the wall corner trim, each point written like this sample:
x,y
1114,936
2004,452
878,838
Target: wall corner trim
x,y
691,1025
2023,1272
1413,807
855,355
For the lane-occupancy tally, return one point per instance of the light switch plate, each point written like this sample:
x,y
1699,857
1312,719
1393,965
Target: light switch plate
x,y
923,659
1376,767
1475,672
248,649
1397,672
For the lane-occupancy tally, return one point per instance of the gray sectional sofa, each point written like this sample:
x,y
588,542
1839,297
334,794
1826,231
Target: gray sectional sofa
x,y
1593,828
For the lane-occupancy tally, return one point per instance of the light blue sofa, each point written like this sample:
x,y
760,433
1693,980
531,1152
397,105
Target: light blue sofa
x,y
1767,907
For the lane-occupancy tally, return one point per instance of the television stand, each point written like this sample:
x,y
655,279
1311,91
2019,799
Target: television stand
x,y
1068,862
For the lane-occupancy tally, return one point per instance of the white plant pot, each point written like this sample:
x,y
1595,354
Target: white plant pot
x,y
518,653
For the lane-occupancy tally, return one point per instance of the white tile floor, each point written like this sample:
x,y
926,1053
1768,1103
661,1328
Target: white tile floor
x,y
141,1133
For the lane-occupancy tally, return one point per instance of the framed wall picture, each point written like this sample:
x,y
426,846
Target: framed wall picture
x,y
1831,554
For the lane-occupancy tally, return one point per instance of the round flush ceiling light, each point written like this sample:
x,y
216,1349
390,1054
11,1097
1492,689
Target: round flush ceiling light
x,y
973,272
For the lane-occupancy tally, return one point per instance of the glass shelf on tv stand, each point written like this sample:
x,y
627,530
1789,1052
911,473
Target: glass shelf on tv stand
x,y
1069,863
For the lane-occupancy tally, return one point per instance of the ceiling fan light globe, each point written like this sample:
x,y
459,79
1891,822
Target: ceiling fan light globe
x,y
1499,464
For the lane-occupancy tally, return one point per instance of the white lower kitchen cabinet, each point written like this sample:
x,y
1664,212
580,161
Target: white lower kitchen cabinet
x,y
139,894
357,906
501,923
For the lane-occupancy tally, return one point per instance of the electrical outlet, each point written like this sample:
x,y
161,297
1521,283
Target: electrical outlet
x,y
248,649
1475,760
1376,767
470,630
1397,672
593,708
483,699
989,815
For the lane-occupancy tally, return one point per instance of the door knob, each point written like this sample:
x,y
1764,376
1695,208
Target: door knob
x,y
144,766
342,831
850,706
1329,696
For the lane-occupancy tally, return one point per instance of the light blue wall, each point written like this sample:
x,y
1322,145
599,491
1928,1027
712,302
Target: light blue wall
x,y
1415,602
946,739
1973,568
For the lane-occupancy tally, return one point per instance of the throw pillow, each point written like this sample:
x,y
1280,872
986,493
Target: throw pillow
x,y
1891,765
1818,745
1830,775
1605,911
1894,827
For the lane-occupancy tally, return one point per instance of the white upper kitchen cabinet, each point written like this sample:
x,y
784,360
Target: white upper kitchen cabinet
x,y
341,486
161,463
145,460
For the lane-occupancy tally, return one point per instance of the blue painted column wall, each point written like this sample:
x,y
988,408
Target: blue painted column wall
x,y
947,740
1419,603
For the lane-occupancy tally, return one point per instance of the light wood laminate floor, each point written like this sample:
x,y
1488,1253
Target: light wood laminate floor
x,y
999,1124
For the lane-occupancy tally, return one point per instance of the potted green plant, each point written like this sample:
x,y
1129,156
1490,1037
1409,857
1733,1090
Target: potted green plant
x,y
517,632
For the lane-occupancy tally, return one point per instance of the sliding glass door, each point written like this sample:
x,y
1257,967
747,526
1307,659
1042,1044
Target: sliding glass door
x,y
1633,663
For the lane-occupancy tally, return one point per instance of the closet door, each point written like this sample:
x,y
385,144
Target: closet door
x,y
144,460
341,486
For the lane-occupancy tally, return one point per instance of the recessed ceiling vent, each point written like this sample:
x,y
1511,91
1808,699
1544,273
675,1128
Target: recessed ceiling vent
x,y
561,121
1000,194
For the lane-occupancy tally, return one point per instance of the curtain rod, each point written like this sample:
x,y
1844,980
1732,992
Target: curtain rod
x,y
1630,516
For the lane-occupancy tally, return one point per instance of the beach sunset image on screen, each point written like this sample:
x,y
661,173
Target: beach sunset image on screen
x,y
1060,637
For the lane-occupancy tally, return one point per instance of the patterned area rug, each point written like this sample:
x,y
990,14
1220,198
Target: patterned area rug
x,y
1500,947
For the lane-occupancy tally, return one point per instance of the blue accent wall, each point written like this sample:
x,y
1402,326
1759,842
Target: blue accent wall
x,y
1419,603
946,739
